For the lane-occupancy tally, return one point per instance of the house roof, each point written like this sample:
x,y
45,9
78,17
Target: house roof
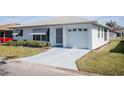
x,y
120,31
7,27
63,20
3,28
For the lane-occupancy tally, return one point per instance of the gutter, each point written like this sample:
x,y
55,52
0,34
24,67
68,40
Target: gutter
x,y
99,24
26,26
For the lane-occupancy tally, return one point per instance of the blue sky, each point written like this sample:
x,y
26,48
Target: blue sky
x,y
28,19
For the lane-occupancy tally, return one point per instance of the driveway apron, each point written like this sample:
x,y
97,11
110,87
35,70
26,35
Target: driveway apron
x,y
58,57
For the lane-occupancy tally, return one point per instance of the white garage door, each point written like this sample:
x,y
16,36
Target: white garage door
x,y
77,39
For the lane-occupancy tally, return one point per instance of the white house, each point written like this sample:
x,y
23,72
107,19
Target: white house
x,y
66,31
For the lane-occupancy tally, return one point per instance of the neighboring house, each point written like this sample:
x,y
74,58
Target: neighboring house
x,y
120,33
115,34
6,32
71,32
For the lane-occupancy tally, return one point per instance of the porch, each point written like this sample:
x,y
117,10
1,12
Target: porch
x,y
5,36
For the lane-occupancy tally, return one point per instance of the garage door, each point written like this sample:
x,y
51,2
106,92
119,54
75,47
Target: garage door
x,y
77,39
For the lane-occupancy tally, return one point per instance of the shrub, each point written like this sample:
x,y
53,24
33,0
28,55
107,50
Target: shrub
x,y
11,43
37,44
28,43
20,43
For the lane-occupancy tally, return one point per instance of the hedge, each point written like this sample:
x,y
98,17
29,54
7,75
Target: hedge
x,y
27,43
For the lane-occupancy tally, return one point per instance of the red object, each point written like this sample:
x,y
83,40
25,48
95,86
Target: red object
x,y
5,40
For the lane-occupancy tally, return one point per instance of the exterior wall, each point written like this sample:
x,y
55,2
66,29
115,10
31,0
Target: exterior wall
x,y
52,36
26,35
112,35
98,42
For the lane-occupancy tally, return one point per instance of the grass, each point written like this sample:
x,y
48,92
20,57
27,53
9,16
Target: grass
x,y
108,61
17,52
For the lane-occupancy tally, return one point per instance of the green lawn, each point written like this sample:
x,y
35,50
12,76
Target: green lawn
x,y
16,52
108,61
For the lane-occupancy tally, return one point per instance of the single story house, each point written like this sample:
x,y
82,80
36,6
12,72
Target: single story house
x,y
66,31
6,32
116,34
120,33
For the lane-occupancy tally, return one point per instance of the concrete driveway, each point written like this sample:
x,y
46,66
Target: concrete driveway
x,y
58,57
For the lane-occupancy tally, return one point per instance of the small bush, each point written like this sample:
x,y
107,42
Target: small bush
x,y
30,43
20,43
11,43
27,43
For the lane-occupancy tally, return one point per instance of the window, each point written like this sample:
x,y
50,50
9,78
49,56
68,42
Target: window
x,y
98,32
37,37
79,29
44,37
69,30
8,34
85,29
1,34
74,29
105,34
40,37
19,32
33,37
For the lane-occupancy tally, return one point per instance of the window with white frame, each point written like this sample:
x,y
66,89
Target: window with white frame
x,y
69,30
85,29
44,37
40,37
74,29
79,29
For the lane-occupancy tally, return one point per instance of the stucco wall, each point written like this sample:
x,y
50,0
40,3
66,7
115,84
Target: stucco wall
x,y
112,35
98,41
26,35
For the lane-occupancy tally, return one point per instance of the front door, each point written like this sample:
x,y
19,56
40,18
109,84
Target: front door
x,y
59,37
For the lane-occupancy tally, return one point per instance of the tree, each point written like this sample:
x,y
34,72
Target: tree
x,y
113,25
